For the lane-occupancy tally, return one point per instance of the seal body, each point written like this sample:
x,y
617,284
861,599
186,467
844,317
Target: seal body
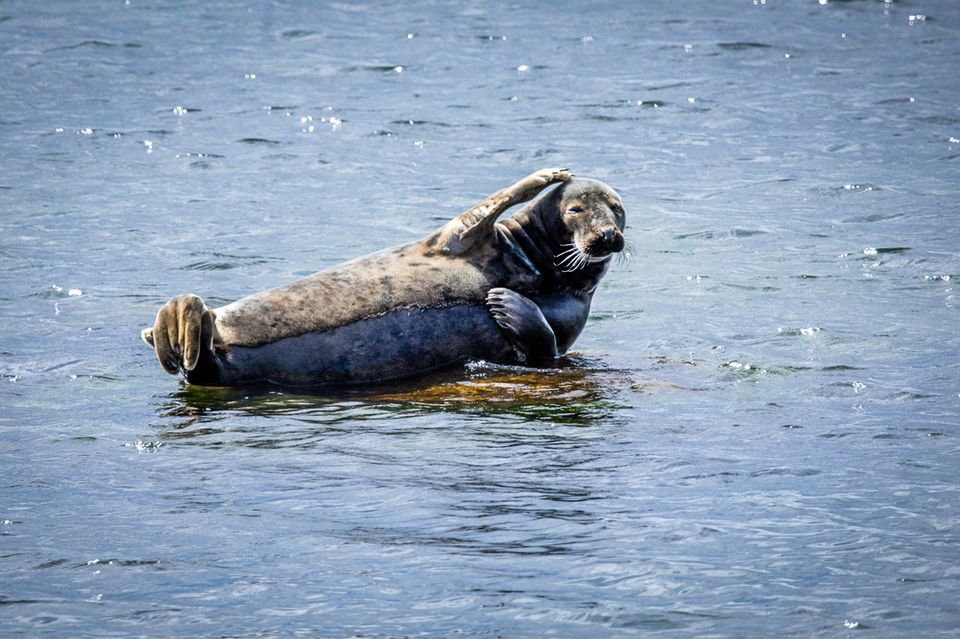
x,y
397,344
475,289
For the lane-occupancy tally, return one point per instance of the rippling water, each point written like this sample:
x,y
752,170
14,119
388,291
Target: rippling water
x,y
757,436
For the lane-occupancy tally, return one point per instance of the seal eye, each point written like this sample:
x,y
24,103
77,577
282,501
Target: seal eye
x,y
575,209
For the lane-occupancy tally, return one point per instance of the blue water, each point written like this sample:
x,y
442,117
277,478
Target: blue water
x,y
757,435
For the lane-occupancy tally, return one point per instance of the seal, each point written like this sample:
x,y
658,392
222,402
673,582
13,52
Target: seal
x,y
513,291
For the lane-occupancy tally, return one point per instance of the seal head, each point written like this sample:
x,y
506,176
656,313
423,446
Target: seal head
x,y
572,232
592,218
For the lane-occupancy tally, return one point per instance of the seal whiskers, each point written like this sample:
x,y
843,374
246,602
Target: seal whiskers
x,y
572,259
575,258
628,253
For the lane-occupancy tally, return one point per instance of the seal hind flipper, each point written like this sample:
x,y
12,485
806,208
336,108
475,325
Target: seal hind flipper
x,y
177,334
523,323
475,225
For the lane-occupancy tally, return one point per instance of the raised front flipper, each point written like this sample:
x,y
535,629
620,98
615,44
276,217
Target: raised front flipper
x,y
523,323
475,225
182,329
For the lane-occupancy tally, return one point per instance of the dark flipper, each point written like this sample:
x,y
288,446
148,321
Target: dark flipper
x,y
523,323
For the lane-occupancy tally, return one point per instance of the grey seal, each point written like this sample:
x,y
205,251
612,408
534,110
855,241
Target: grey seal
x,y
517,290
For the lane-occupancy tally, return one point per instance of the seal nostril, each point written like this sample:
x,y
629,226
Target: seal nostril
x,y
612,239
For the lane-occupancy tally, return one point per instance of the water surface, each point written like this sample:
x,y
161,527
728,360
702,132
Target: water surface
x,y
756,436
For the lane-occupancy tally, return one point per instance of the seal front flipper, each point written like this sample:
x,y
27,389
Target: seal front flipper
x,y
182,329
475,225
523,323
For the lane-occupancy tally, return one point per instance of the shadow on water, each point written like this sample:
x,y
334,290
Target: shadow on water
x,y
576,392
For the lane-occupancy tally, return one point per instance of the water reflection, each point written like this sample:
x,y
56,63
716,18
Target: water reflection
x,y
387,469
576,392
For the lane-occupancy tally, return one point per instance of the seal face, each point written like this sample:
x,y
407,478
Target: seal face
x,y
509,291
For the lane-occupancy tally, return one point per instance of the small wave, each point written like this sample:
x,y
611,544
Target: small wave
x,y
748,287
742,46
281,156
58,366
743,369
258,141
873,217
597,117
650,104
888,101
806,331
213,266
841,190
946,120
668,85
200,155
871,251
787,472
57,292
889,436
420,123
913,395
713,235
297,34
864,188
144,446
748,370
376,68
118,562
101,44
225,261
608,104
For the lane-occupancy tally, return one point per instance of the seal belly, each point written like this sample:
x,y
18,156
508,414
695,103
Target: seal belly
x,y
393,345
